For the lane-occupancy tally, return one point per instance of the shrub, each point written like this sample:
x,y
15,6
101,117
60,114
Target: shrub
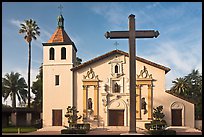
x,y
71,115
73,131
157,124
38,123
76,129
162,132
170,132
80,126
156,132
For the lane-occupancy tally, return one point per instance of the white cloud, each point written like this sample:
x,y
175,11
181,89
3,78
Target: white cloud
x,y
44,34
153,5
113,13
170,54
16,22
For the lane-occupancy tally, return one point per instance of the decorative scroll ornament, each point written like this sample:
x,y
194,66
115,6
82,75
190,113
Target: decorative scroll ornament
x,y
90,75
144,74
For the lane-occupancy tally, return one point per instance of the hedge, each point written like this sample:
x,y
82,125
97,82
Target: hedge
x,y
76,129
162,132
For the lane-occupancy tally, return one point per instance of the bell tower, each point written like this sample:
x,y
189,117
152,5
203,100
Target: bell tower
x,y
59,56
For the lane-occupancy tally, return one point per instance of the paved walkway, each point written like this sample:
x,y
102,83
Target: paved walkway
x,y
107,131
185,130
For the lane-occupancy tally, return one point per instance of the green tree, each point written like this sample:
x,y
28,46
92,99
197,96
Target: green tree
x,y
158,122
157,113
180,86
13,84
195,91
37,90
190,87
194,80
31,30
71,115
78,61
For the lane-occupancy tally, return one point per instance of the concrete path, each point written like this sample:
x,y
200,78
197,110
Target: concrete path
x,y
108,131
185,130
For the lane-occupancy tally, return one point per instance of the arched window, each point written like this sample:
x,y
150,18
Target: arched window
x,y
52,53
116,68
63,53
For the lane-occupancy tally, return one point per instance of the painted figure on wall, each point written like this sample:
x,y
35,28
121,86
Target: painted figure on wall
x,y
143,105
90,103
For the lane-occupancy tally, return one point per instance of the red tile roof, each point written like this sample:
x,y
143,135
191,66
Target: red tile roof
x,y
166,69
181,97
60,36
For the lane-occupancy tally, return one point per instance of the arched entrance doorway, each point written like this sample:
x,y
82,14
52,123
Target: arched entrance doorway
x,y
177,114
117,113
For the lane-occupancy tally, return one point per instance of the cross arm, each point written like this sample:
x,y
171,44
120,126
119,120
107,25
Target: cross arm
x,y
138,34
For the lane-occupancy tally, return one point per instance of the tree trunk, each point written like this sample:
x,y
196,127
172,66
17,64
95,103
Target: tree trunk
x,y
29,66
13,99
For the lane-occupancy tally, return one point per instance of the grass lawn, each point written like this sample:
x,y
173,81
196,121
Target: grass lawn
x,y
15,129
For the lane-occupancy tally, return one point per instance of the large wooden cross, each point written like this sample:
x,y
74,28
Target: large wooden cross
x,y
132,34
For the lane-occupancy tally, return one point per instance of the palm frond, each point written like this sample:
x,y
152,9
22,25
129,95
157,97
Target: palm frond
x,y
19,98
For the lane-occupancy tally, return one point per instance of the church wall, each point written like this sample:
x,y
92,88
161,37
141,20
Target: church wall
x,y
57,96
103,70
188,109
57,59
160,97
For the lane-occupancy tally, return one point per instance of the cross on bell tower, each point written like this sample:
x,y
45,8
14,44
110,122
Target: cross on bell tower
x,y
60,19
116,45
60,7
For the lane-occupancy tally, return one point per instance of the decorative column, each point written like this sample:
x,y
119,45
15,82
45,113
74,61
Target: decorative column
x,y
85,101
138,102
96,101
150,102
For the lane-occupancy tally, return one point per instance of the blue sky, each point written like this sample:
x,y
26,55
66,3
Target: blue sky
x,y
178,47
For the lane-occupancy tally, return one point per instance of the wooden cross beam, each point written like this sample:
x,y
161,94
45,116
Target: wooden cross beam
x,y
138,34
132,34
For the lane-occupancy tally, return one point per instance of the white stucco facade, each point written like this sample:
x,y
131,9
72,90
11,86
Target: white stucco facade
x,y
70,90
105,81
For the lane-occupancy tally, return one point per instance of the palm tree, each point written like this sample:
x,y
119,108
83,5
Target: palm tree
x,y
31,29
180,86
13,85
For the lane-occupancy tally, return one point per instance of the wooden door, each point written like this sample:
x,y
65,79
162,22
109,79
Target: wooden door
x,y
57,117
116,117
176,117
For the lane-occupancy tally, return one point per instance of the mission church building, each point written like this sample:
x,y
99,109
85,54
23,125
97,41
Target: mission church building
x,y
99,88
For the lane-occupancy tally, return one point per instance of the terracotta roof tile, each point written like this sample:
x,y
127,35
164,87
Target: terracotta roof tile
x,y
60,36
179,96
